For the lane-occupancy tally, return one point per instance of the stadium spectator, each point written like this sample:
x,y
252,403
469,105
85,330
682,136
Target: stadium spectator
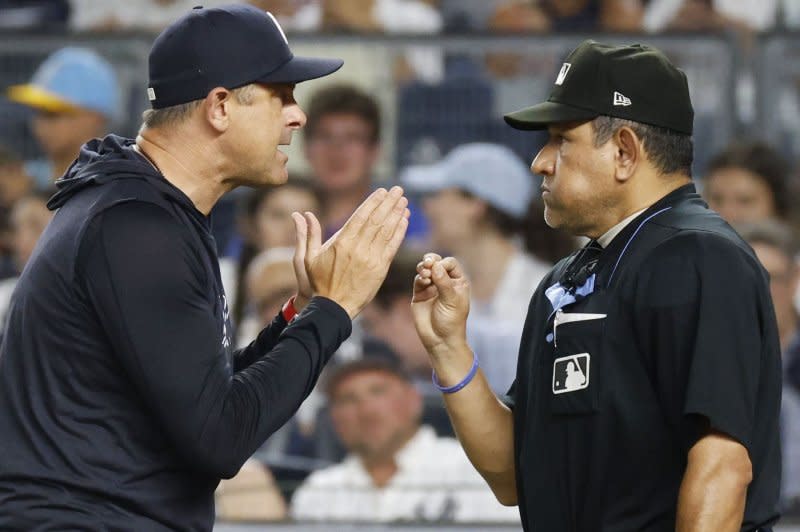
x,y
264,222
389,16
544,15
369,16
396,469
76,97
33,14
570,15
709,15
462,16
748,182
150,15
269,282
342,146
15,183
775,247
475,199
272,222
293,15
29,216
388,318
252,495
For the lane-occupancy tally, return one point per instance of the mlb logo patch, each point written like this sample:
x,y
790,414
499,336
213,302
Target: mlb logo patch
x,y
571,373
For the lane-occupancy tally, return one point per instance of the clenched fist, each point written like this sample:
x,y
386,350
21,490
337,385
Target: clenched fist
x,y
440,304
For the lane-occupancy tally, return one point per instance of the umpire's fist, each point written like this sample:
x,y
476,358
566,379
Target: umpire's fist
x,y
440,304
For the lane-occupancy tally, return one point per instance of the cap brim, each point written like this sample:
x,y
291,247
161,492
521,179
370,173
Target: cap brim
x,y
422,179
541,115
299,69
38,98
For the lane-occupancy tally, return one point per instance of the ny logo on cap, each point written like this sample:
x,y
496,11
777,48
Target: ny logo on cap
x,y
278,26
621,99
563,73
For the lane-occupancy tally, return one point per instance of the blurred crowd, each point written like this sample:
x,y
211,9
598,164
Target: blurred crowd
x,y
425,16
373,442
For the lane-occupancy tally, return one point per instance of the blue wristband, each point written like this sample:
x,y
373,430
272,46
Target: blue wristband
x,y
454,388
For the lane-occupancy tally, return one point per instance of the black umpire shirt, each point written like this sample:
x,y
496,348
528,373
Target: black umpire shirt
x,y
624,360
122,402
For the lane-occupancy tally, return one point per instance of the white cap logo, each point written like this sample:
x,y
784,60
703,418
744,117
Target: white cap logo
x,y
621,99
278,26
563,73
151,94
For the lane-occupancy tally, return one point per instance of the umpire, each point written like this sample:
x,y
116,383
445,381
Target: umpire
x,y
648,383
122,403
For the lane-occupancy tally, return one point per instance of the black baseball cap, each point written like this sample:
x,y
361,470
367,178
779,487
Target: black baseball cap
x,y
634,82
229,47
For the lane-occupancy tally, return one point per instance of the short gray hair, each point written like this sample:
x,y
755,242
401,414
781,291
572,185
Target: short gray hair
x,y
176,114
668,150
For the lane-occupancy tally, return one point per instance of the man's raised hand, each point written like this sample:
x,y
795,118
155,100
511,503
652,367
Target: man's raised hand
x,y
351,265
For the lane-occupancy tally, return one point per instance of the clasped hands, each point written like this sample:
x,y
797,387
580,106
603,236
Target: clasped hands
x,y
352,264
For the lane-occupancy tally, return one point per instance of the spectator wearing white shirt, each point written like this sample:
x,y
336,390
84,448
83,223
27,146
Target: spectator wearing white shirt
x,y
396,469
368,16
703,15
152,15
476,199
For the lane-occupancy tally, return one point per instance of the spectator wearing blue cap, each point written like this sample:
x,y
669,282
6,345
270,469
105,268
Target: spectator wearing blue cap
x,y
475,199
76,97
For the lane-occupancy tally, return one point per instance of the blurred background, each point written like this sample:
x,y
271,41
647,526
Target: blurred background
x,y
418,102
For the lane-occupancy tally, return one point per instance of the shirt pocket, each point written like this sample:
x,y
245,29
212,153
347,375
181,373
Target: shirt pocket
x,y
577,363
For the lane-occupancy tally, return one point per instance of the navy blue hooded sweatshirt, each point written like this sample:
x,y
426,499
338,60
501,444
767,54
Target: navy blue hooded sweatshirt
x,y
122,403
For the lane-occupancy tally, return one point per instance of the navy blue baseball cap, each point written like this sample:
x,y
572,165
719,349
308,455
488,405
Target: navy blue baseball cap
x,y
229,47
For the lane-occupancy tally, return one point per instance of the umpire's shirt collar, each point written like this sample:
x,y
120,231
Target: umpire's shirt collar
x,y
617,235
609,235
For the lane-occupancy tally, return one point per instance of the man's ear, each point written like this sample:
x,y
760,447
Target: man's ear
x,y
628,153
217,108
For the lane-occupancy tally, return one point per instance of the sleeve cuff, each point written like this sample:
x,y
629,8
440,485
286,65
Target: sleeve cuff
x,y
331,310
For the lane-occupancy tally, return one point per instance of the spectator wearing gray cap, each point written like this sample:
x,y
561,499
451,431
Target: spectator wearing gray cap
x,y
475,199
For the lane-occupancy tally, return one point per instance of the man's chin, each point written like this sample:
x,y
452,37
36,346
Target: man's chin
x,y
277,175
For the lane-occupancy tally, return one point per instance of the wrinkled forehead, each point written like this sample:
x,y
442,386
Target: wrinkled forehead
x,y
354,383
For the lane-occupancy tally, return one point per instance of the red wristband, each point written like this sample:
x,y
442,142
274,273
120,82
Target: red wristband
x,y
288,311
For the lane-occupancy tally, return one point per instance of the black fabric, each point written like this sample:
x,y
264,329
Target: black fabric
x,y
581,266
122,403
678,334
